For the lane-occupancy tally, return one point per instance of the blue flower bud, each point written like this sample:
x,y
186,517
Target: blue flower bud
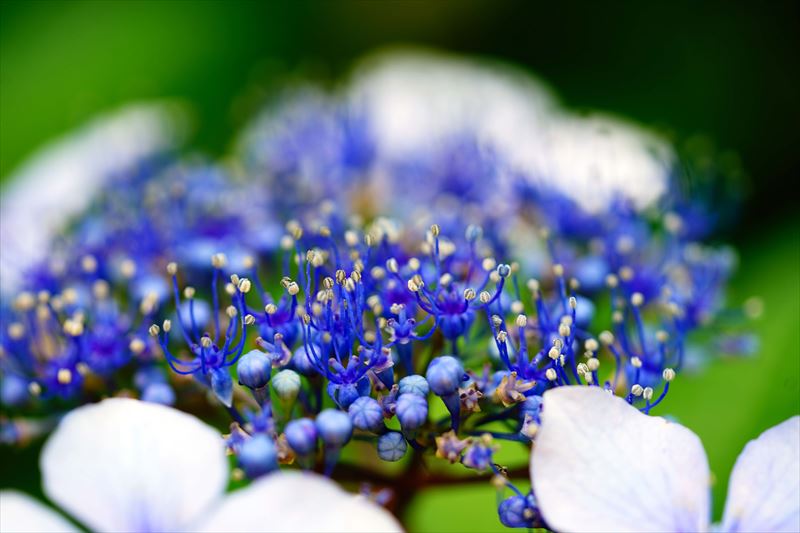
x,y
334,427
286,385
258,456
13,390
518,511
301,434
392,446
254,369
414,384
159,393
366,414
302,361
222,385
444,375
412,411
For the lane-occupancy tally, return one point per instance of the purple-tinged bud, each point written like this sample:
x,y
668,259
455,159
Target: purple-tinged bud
x,y
444,375
414,384
258,456
366,414
334,427
412,411
254,369
301,434
392,446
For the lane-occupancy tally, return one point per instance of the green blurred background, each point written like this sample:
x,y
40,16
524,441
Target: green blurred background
x,y
721,69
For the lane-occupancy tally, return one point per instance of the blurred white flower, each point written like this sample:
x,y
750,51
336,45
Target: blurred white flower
x,y
125,465
416,100
62,178
598,464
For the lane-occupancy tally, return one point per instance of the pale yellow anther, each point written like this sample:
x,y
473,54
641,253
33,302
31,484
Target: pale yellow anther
x,y
249,320
64,376
445,279
101,289
34,388
593,364
350,285
592,345
637,299
88,264
636,362
219,260
626,273
435,230
351,238
517,307
469,294
553,353
205,341
522,321
166,325
231,311
573,302
414,264
172,268
647,393
489,264
287,243
136,346
496,320
392,266
485,297
16,330
668,374
564,330
533,285
188,293
607,338
637,390
551,374
245,285
558,270
154,330
127,268
662,336
502,336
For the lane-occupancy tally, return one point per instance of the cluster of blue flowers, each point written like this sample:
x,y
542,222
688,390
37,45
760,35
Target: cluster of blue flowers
x,y
316,320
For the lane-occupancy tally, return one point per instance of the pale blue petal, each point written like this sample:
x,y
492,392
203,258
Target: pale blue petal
x,y
598,464
764,490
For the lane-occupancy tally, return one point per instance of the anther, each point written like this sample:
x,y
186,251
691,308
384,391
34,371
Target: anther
x,y
218,260
136,346
637,390
668,374
172,268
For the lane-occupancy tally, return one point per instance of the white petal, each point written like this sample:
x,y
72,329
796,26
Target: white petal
x,y
298,501
764,491
22,514
126,465
598,464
